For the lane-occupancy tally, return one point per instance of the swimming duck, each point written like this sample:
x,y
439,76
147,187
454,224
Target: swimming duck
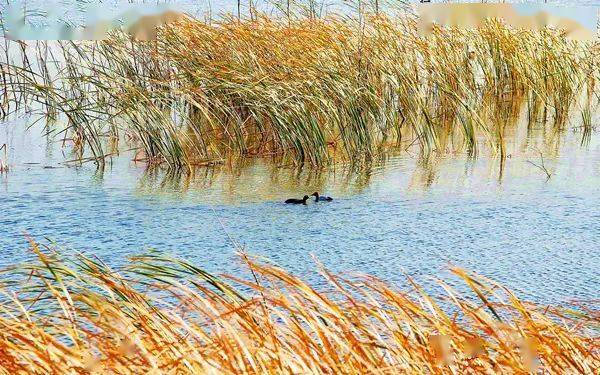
x,y
320,198
297,201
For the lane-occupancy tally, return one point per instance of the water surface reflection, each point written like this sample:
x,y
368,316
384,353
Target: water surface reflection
x,y
408,214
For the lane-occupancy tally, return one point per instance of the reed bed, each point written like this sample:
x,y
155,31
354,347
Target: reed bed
x,y
161,315
309,89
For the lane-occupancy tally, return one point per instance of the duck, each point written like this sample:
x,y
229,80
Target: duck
x,y
321,198
297,201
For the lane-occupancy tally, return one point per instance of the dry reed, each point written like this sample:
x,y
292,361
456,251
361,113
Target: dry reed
x,y
162,315
313,90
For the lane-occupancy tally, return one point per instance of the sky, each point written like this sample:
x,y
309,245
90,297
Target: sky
x,y
47,18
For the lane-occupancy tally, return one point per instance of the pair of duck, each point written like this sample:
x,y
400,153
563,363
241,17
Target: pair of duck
x,y
318,198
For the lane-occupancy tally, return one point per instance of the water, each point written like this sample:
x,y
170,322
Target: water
x,y
539,237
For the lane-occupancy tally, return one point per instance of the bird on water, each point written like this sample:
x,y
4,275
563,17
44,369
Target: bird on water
x,y
321,198
297,201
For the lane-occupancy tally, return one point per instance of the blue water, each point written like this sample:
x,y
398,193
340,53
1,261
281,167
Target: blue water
x,y
539,237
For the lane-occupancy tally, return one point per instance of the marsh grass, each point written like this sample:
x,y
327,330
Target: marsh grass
x,y
161,315
307,89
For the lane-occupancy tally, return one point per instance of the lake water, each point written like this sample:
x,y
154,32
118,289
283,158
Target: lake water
x,y
540,237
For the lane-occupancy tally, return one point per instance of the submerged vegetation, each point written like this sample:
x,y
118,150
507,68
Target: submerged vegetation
x,y
162,315
304,88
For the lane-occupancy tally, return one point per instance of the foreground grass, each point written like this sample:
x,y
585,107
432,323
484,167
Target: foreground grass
x,y
312,90
161,315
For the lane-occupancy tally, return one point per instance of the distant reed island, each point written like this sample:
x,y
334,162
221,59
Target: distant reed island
x,y
311,90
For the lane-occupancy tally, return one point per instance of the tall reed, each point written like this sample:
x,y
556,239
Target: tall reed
x,y
309,89
162,315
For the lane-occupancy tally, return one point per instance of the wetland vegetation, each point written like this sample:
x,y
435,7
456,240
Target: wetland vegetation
x,y
307,89
76,315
